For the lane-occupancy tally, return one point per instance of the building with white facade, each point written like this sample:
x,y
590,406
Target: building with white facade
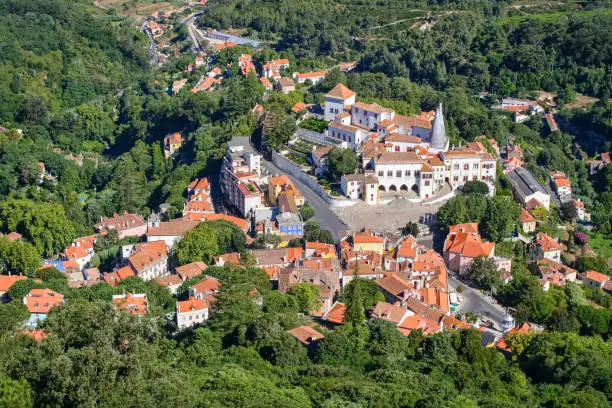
x,y
526,187
240,178
191,312
463,165
360,186
314,77
336,100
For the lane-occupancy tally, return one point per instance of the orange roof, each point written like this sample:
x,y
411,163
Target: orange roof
x,y
393,284
388,312
407,248
416,322
111,278
191,305
281,180
147,253
206,285
175,227
125,272
595,276
42,300
526,216
341,92
336,314
173,138
533,204
265,82
563,182
13,236
298,107
198,206
38,334
367,238
294,253
240,222
271,271
6,281
191,270
71,264
468,244
314,74
306,334
546,242
131,303
170,280
231,257
281,61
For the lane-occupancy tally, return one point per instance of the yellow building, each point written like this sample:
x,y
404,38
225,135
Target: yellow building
x,y
365,241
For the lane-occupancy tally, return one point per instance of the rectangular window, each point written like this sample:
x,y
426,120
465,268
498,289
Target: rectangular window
x,y
417,173
390,173
381,173
475,166
456,178
427,182
465,178
474,178
398,173
456,167
407,173
466,166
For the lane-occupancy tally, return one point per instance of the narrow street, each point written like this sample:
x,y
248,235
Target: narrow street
x,y
476,302
324,215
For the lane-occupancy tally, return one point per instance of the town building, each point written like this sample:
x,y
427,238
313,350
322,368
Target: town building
x,y
172,282
266,83
191,270
240,178
149,260
327,280
593,279
271,69
544,247
245,63
336,100
528,221
191,312
285,85
168,231
178,85
314,77
290,226
39,302
81,250
464,244
525,187
552,273
6,281
306,335
132,303
205,289
581,212
562,186
172,143
463,165
126,225
230,257
368,241
598,164
336,314
363,186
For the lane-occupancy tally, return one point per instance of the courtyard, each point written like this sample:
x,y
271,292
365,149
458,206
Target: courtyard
x,y
387,217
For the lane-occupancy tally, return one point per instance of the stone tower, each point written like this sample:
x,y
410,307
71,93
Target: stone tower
x,y
439,141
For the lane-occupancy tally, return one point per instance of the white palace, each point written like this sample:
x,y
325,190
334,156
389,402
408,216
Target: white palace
x,y
401,153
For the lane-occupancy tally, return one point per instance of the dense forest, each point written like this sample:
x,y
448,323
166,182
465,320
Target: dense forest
x,y
477,45
77,84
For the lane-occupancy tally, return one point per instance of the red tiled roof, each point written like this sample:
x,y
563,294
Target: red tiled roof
x,y
191,270
206,285
388,312
125,272
175,227
6,281
131,303
13,236
526,216
191,305
340,91
367,238
336,314
231,257
595,276
306,334
147,253
546,242
42,300
170,280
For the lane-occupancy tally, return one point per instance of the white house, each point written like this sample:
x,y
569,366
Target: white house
x,y
314,77
336,100
191,312
360,186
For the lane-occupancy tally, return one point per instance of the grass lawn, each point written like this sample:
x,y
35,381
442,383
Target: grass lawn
x,y
601,244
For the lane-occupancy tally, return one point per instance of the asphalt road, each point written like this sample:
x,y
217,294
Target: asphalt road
x,y
323,214
477,303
